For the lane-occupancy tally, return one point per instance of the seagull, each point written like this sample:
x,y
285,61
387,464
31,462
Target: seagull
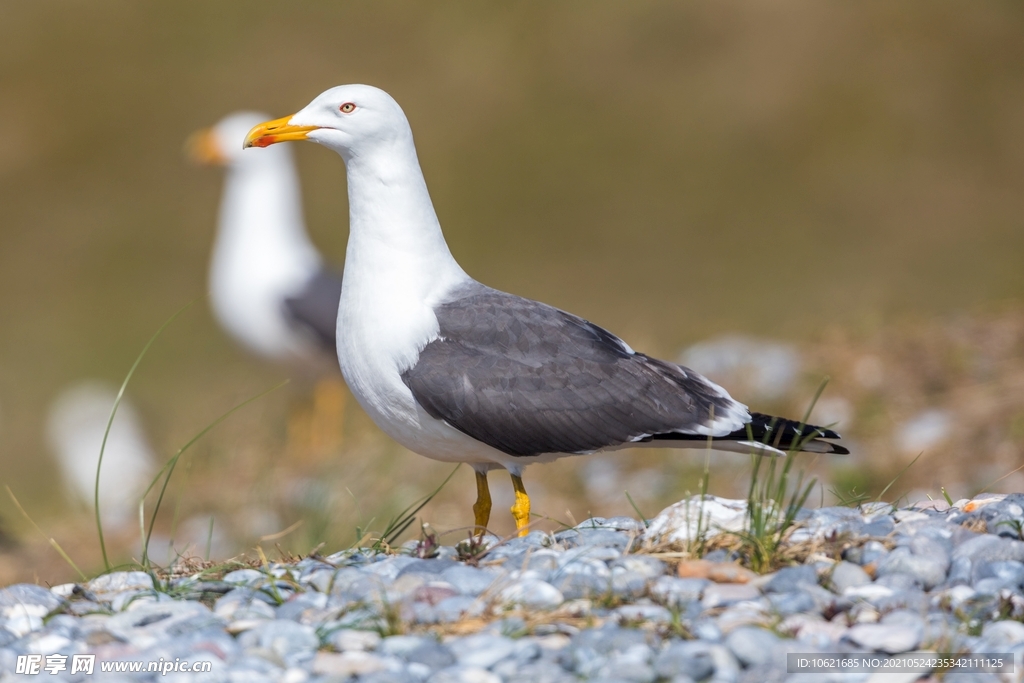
x,y
269,287
460,372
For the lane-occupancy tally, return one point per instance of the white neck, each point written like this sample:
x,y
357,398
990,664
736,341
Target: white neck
x,y
394,234
396,268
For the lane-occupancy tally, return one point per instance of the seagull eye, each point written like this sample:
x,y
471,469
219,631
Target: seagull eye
x,y
348,108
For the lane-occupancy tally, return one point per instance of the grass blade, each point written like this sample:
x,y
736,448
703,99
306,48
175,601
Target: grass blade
x,y
209,539
110,423
636,509
50,539
896,478
404,519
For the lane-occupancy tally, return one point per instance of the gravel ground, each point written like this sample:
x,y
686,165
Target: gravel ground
x,y
606,601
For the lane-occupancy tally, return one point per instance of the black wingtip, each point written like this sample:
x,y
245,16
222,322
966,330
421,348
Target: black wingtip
x,y
786,434
838,450
778,432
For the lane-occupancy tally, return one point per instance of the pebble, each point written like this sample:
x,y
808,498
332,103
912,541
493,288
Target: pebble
x,y
532,594
354,663
899,631
721,595
752,646
692,658
719,572
789,579
685,521
483,651
929,570
468,580
848,575
675,592
588,603
344,640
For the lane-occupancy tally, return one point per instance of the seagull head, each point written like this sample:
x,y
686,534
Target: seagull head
x,y
220,145
349,119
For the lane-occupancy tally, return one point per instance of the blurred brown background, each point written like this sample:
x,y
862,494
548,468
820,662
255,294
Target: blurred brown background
x,y
847,179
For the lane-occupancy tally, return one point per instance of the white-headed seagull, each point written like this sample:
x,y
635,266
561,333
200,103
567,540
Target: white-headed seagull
x,y
459,372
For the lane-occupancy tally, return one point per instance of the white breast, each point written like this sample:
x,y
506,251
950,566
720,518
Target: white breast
x,y
381,330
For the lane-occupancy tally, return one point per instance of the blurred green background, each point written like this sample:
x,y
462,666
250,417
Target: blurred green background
x,y
671,171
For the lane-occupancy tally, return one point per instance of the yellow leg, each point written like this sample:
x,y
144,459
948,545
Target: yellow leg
x,y
482,506
521,509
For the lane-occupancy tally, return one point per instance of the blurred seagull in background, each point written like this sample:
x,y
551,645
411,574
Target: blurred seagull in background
x,y
268,284
77,420
269,287
460,372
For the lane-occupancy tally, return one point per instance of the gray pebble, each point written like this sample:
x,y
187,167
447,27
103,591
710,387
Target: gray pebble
x,y
913,599
989,548
1003,635
898,580
541,672
427,566
641,565
294,644
456,608
846,575
794,602
751,646
245,577
303,607
464,674
628,585
389,568
871,552
25,594
724,594
244,603
542,561
879,527
1009,571
632,664
468,580
789,579
401,646
531,593
960,570
432,654
693,658
929,569
344,640
574,586
675,592
899,631
482,651
151,623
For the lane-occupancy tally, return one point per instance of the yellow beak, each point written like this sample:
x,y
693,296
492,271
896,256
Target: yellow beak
x,y
201,148
278,130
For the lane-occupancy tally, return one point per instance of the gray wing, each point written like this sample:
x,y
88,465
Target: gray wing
x,y
526,379
315,308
